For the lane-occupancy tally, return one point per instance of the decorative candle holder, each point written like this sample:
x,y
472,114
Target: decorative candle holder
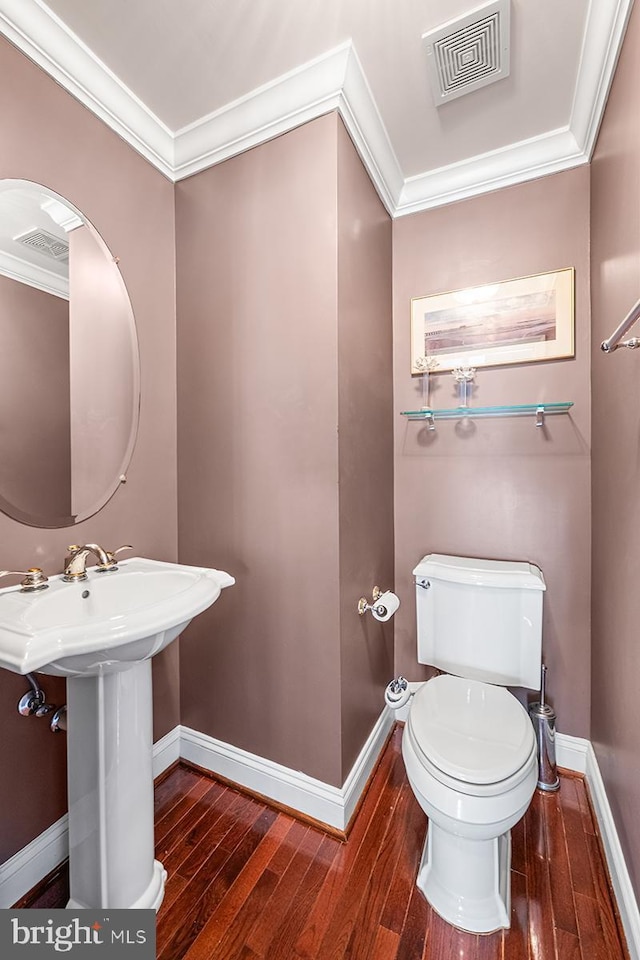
x,y
426,365
464,378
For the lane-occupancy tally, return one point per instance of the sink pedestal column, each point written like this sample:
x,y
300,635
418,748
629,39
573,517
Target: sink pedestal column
x,y
110,778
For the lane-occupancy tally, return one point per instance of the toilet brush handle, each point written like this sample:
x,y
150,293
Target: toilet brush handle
x,y
543,684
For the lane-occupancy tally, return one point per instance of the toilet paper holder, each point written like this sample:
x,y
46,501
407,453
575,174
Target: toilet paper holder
x,y
364,605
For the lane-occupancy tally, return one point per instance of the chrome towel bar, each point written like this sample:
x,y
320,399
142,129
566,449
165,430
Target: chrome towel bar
x,y
615,340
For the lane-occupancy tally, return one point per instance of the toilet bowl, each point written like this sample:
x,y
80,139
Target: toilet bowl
x,y
469,746
471,760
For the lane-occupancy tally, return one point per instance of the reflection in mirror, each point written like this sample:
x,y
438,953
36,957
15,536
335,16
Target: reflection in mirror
x,y
69,370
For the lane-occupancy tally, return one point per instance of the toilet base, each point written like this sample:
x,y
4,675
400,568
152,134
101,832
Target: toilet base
x,y
467,881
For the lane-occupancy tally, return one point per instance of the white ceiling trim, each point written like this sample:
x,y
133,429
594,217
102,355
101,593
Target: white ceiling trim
x,y
334,81
15,268
516,163
46,40
606,25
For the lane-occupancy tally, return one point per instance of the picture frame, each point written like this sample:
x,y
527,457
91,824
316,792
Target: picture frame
x,y
525,320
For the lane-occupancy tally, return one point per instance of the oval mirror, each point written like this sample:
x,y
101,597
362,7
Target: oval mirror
x,y
69,365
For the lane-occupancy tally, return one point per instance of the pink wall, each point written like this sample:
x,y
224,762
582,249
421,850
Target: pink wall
x,y
365,452
615,266
506,489
266,381
49,138
34,368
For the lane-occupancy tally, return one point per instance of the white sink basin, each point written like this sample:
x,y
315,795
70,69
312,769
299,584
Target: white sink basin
x,y
105,623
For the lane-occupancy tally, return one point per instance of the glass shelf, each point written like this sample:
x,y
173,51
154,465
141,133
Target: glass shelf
x,y
537,410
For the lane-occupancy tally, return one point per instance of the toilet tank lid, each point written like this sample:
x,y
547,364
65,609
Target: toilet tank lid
x,y
471,570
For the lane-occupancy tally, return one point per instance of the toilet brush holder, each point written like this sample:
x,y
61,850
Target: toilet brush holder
x,y
543,718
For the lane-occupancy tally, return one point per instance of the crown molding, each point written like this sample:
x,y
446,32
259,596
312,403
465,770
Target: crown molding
x,y
15,268
362,119
333,81
46,40
275,108
606,25
516,163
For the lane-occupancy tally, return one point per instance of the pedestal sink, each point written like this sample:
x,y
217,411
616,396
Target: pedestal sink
x,y
101,634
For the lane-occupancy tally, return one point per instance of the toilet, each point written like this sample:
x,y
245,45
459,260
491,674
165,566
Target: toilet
x,y
468,744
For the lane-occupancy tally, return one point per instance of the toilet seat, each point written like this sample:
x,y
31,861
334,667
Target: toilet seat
x,y
470,735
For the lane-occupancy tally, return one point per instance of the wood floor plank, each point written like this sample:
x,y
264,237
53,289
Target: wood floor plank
x,y
187,916
226,932
386,945
592,940
491,946
564,909
445,941
234,938
246,891
541,939
516,939
261,935
567,946
180,810
202,834
414,832
609,919
573,826
308,942
338,932
586,809
172,890
172,837
367,923
170,791
233,943
414,938
239,817
295,917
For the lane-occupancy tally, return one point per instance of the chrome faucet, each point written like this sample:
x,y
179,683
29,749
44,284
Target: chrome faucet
x,y
75,563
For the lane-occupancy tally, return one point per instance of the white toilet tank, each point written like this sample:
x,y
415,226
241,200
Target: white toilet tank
x,y
480,619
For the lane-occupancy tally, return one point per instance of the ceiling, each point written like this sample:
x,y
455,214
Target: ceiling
x,y
190,84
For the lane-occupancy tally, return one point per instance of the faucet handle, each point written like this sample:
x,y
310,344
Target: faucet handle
x,y
34,578
112,563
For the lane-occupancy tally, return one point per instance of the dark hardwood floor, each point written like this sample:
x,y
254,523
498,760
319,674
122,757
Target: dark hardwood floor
x,y
252,883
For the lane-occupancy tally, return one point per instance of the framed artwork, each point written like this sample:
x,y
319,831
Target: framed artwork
x,y
513,321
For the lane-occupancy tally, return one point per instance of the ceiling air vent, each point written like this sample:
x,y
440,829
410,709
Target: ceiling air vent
x,y
45,243
469,52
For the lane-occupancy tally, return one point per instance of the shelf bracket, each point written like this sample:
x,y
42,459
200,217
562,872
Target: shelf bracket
x,y
540,416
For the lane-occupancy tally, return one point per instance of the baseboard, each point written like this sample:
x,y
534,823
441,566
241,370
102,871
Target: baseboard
x,y
571,753
620,879
166,751
28,866
333,806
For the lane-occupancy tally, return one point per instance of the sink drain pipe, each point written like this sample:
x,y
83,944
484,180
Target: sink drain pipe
x,y
34,703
